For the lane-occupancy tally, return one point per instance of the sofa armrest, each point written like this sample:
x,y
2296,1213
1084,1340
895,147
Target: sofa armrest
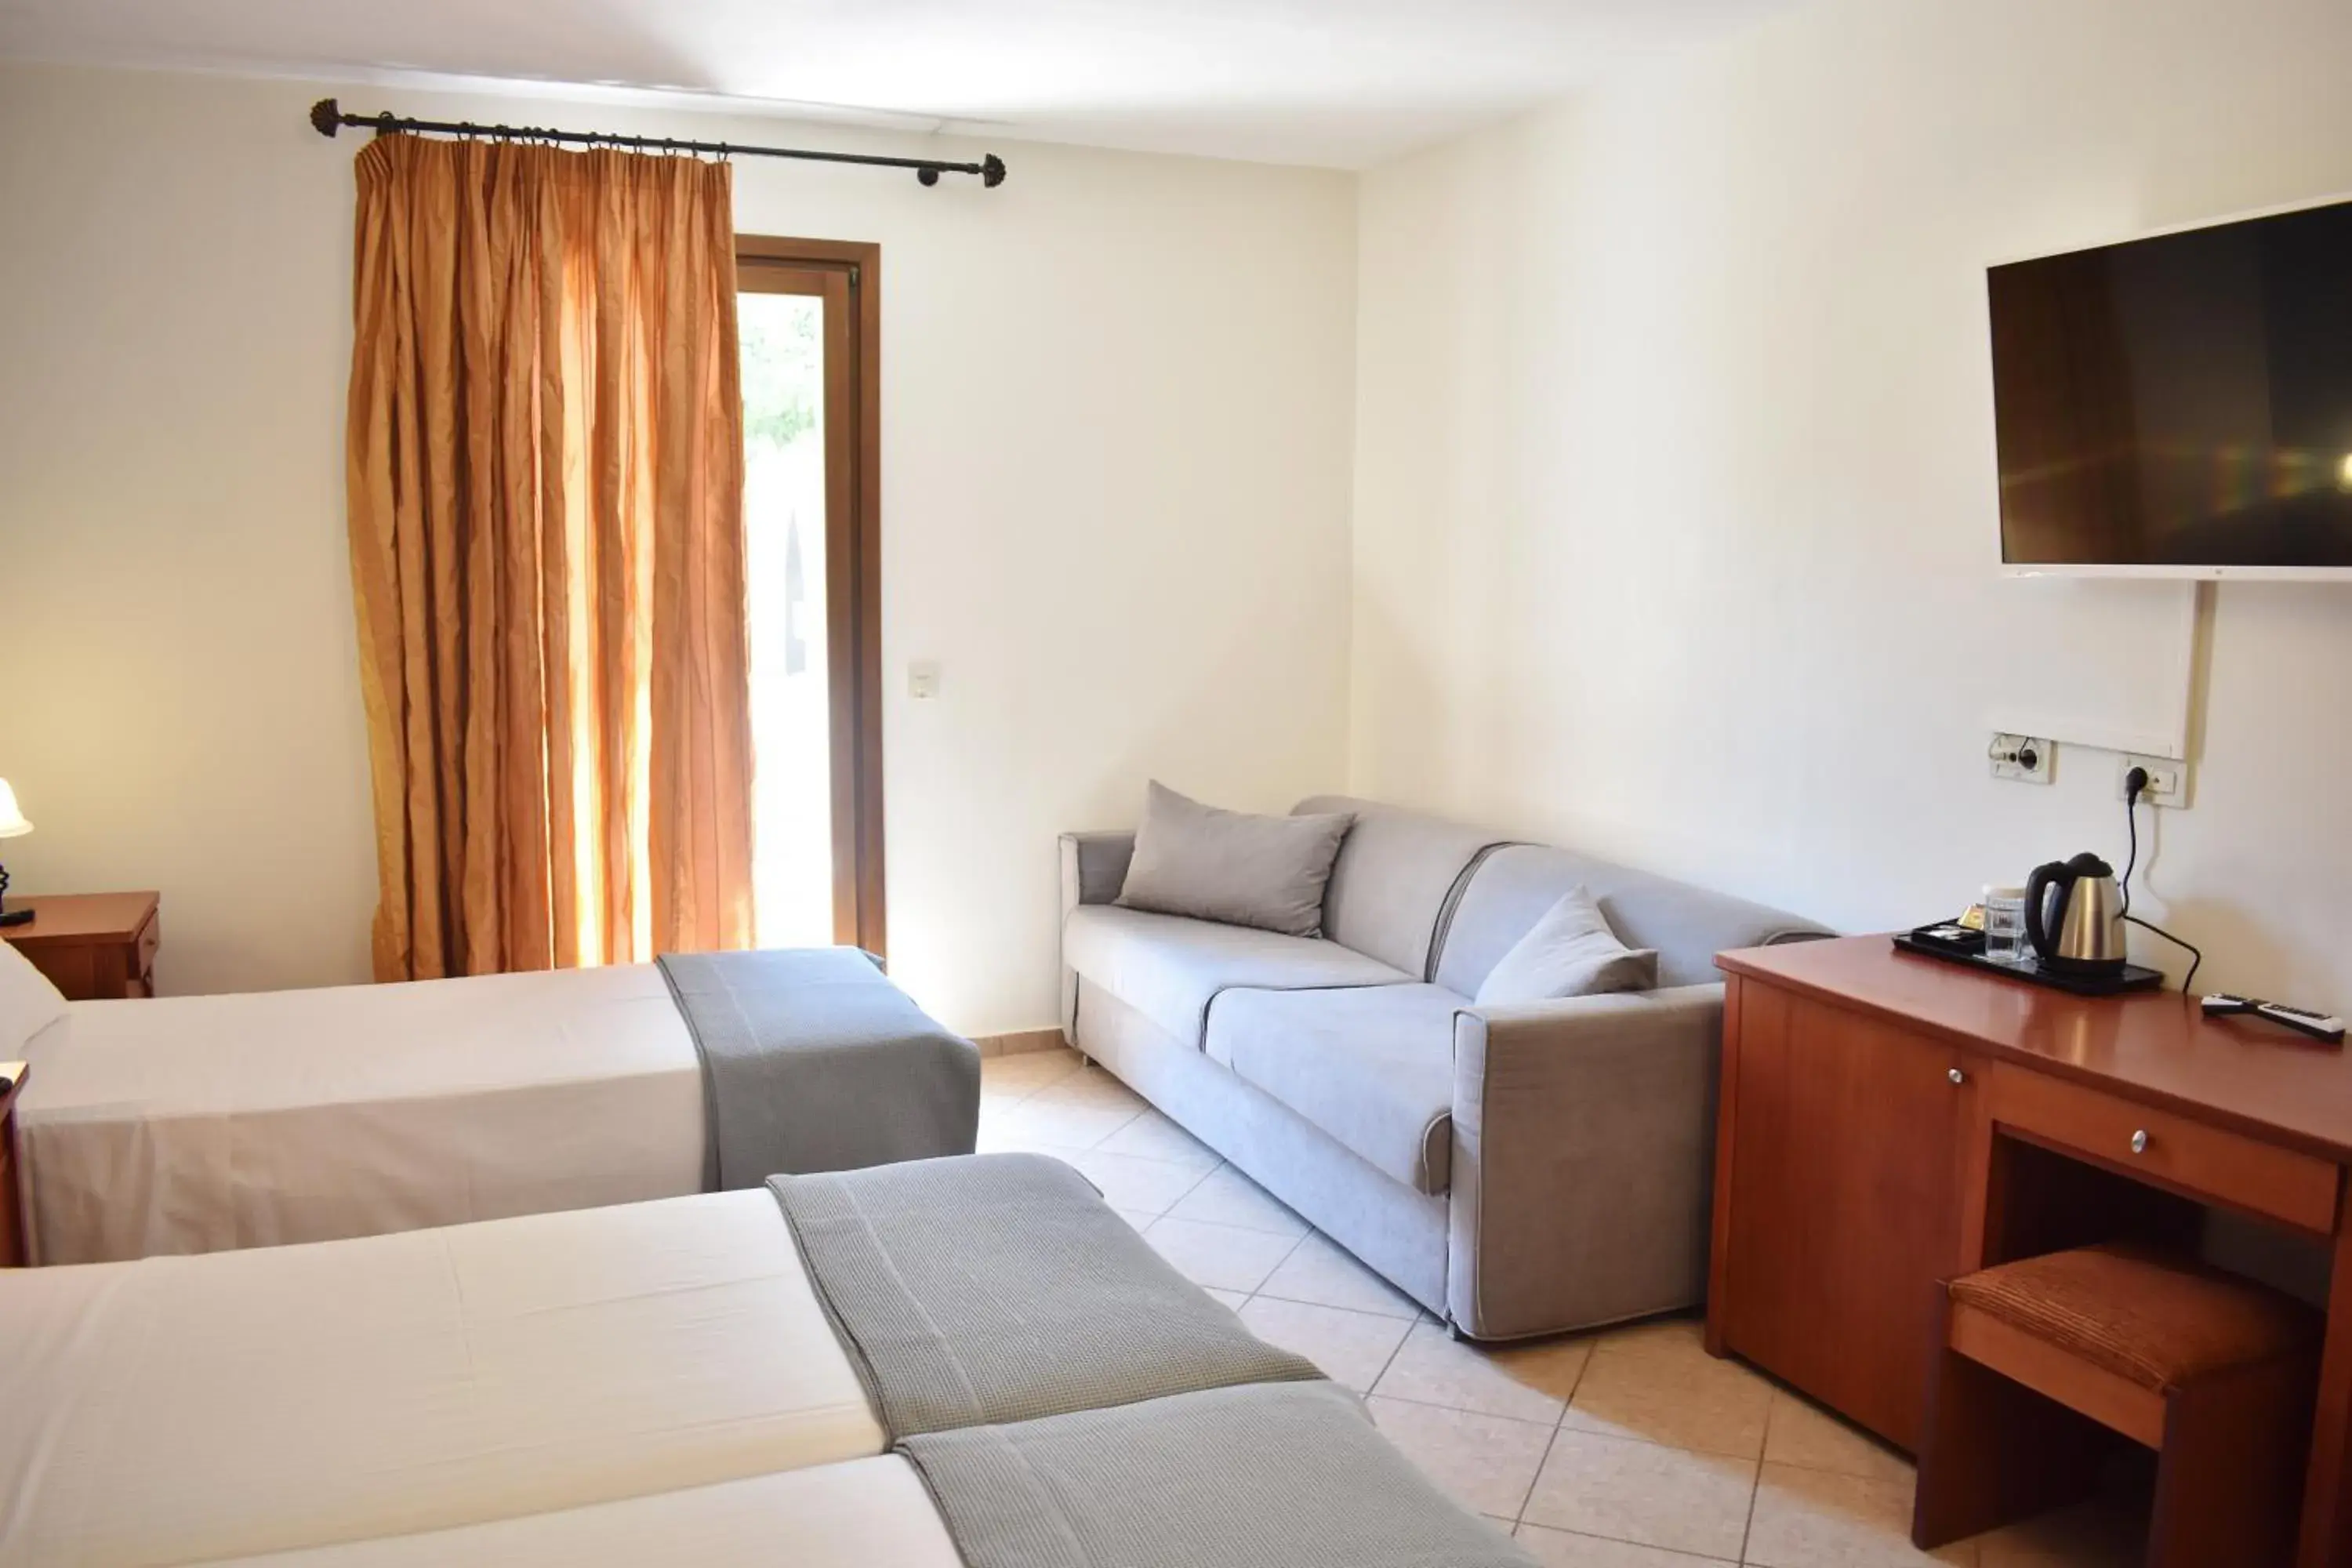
x,y
1583,1131
1094,868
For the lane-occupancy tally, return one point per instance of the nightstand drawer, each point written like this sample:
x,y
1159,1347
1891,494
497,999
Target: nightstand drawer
x,y
12,1237
2166,1149
12,1234
142,968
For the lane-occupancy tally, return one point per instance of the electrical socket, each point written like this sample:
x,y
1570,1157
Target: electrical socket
x,y
2025,758
2168,781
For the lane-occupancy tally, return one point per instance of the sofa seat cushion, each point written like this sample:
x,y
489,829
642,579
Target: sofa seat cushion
x,y
1168,967
1374,1069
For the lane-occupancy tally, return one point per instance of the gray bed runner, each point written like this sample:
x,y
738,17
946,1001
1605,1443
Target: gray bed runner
x,y
1002,1287
812,1060
1289,1474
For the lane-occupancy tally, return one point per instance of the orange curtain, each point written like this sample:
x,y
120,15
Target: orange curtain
x,y
545,473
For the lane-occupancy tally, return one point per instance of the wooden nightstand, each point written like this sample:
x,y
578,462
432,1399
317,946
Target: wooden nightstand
x,y
92,946
12,1228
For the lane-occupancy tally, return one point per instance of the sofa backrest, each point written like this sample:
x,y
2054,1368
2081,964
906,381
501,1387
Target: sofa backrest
x,y
1396,874
1688,925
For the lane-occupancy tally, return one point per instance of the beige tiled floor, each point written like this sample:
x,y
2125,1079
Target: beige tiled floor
x,y
1627,1449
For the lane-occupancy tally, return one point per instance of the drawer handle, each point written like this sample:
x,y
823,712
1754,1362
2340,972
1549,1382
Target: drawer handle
x,y
2140,1141
1957,1075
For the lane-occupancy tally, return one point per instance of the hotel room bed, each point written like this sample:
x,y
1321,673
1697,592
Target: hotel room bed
x,y
201,1123
182,1409
1238,1477
197,1124
862,1513
178,1410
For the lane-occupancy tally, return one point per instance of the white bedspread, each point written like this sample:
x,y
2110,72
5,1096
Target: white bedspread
x,y
182,1409
198,1124
867,1514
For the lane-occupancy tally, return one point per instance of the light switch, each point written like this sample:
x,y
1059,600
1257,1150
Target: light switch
x,y
922,681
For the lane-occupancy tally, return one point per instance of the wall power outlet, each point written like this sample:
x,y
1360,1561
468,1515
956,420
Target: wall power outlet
x,y
2168,781
2025,758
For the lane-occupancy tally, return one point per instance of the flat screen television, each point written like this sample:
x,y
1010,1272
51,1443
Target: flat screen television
x,y
2179,405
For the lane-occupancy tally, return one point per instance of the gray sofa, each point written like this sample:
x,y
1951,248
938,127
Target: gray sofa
x,y
1517,1170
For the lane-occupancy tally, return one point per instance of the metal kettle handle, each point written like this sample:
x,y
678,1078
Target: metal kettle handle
x,y
2037,930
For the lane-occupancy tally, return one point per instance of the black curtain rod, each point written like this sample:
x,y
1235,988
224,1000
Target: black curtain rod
x,y
326,116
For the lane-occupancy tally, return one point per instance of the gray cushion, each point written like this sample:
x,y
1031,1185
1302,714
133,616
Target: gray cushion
x,y
1374,1069
1167,967
1568,952
1215,865
1396,876
1689,926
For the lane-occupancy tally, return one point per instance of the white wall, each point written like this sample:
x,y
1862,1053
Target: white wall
x,y
1674,471
1117,405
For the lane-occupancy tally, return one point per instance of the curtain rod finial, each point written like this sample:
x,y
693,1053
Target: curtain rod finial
x,y
992,170
325,115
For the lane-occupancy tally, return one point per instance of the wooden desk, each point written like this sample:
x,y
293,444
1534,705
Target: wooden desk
x,y
92,946
1887,1121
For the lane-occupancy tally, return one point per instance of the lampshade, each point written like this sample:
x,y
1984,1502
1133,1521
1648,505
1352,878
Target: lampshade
x,y
12,821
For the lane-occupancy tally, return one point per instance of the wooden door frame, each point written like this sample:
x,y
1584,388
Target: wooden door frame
x,y
854,640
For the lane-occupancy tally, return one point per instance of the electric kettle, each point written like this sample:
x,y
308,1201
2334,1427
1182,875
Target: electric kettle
x,y
2073,917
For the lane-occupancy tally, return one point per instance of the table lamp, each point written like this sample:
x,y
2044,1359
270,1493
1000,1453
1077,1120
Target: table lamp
x,y
12,825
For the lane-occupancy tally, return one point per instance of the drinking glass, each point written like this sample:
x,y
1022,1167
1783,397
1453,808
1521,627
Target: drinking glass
x,y
2004,925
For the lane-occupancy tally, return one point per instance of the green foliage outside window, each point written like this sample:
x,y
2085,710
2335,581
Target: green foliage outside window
x,y
783,360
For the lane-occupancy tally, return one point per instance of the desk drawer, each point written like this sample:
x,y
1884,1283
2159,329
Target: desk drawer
x,y
2170,1151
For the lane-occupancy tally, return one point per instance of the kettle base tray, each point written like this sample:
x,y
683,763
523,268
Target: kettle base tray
x,y
2135,978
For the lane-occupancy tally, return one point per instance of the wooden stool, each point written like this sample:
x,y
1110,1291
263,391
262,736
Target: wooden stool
x,y
2214,1372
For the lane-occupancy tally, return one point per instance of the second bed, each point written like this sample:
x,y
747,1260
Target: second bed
x,y
202,1123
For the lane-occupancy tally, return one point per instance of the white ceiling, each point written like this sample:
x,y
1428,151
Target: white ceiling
x,y
1349,83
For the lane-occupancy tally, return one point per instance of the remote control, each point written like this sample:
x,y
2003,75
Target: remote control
x,y
2318,1026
